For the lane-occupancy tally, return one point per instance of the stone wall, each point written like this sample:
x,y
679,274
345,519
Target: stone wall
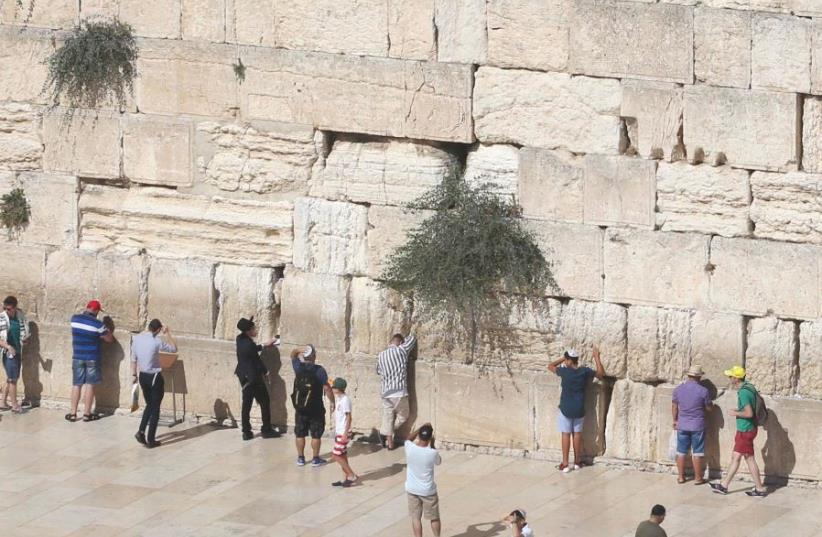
x,y
667,155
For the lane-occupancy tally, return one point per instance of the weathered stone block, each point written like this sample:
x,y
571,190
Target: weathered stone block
x,y
551,184
120,287
655,112
233,231
702,198
157,151
51,14
99,8
575,254
87,143
411,30
22,61
376,314
722,47
717,343
812,135
242,292
497,166
388,229
182,295
69,283
781,53
204,20
329,236
619,190
770,355
261,157
810,360
723,124
24,277
53,203
528,33
314,310
807,8
461,31
551,110
392,172
20,145
382,96
816,56
757,276
152,18
659,344
630,431
655,268
784,205
581,325
629,40
251,22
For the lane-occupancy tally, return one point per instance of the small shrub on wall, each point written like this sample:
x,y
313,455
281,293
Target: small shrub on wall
x,y
470,263
14,211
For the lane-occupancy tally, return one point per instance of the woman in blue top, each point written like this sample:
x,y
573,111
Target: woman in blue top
x,y
572,401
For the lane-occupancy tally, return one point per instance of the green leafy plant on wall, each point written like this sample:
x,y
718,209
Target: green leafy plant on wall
x,y
15,211
96,65
239,70
470,263
29,12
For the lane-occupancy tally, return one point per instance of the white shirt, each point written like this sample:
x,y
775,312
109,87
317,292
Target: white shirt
x,y
527,531
342,409
419,478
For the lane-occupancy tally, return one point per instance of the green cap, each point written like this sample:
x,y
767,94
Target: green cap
x,y
339,384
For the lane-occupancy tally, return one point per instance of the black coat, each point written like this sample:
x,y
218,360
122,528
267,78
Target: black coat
x,y
250,368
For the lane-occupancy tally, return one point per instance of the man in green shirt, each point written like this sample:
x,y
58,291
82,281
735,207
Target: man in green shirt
x,y
651,527
746,430
13,331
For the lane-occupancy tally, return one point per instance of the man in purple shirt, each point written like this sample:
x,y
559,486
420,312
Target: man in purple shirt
x,y
690,401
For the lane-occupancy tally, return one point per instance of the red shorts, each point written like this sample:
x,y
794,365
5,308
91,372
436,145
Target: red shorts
x,y
340,445
744,442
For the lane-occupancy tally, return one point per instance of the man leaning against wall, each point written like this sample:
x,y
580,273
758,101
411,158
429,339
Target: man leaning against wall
x,y
86,333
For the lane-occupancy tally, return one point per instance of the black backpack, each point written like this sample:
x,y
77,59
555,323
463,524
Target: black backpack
x,y
761,411
307,390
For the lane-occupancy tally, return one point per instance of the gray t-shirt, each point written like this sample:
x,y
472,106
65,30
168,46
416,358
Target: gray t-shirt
x,y
647,528
420,475
145,350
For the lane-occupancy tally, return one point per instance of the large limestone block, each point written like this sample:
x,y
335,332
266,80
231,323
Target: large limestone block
x,y
260,157
630,431
654,110
411,30
816,57
157,151
341,26
551,184
722,47
770,355
388,229
717,343
329,236
619,190
87,143
251,22
377,313
382,96
20,145
181,293
204,20
724,123
702,198
53,204
755,277
496,166
99,8
152,18
781,53
24,277
659,344
490,410
581,325
547,391
647,267
630,40
49,14
389,172
23,54
532,34
550,110
575,254
812,135
461,31
120,287
810,360
166,223
242,292
786,206
808,8
184,77
315,310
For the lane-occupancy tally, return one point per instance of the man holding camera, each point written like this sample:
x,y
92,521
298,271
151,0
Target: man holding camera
x,y
421,457
86,332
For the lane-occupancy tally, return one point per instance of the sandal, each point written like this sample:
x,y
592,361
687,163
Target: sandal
x,y
91,417
681,481
71,417
700,482
18,410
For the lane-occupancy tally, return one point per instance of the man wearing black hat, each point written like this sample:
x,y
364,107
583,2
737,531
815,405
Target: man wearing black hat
x,y
252,373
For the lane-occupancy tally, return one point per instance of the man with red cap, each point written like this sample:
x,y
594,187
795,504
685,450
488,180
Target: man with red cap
x,y
86,332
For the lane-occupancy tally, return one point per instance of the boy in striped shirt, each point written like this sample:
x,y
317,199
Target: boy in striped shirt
x,y
392,367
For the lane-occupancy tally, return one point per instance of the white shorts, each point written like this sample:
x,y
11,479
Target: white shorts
x,y
569,425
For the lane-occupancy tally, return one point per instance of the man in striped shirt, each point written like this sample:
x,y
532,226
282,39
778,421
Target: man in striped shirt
x,y
392,367
86,332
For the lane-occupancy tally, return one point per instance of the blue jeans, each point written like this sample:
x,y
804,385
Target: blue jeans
x,y
86,372
695,440
12,367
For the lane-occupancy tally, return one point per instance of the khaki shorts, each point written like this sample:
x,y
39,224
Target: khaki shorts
x,y
394,414
424,505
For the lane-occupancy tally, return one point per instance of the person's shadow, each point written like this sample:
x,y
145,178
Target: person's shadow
x,y
222,412
107,392
714,421
32,362
778,453
277,390
174,437
383,473
478,530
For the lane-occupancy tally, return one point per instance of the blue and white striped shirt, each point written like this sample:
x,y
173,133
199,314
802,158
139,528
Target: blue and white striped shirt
x,y
86,331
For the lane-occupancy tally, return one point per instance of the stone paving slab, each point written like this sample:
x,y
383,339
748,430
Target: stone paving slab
x,y
93,479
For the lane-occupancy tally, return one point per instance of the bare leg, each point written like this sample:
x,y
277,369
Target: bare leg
x,y
342,460
735,459
699,472
300,442
577,448
88,398
12,393
416,526
566,447
315,446
754,469
436,527
75,398
680,466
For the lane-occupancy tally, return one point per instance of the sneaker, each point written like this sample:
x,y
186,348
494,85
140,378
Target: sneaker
x,y
564,468
349,483
316,461
718,488
141,437
269,433
753,493
338,483
577,466
248,435
154,444
301,461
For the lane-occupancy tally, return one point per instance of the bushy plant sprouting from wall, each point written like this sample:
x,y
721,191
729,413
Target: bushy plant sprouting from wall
x,y
470,262
95,65
14,211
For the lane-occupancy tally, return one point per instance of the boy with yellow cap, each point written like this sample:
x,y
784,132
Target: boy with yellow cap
x,y
746,429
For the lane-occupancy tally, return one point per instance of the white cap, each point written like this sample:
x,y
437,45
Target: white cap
x,y
308,352
571,353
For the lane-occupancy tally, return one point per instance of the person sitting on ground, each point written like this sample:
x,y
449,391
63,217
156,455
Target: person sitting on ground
x,y
14,330
746,429
519,527
146,370
342,433
420,458
392,367
690,401
86,333
310,383
252,374
651,527
572,402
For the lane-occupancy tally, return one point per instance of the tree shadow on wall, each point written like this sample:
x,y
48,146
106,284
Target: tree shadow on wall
x,y
32,362
277,390
778,453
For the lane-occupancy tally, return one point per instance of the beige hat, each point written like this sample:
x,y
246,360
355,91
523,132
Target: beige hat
x,y
695,371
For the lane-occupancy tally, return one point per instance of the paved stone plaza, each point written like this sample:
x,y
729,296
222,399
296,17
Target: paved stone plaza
x,y
93,479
